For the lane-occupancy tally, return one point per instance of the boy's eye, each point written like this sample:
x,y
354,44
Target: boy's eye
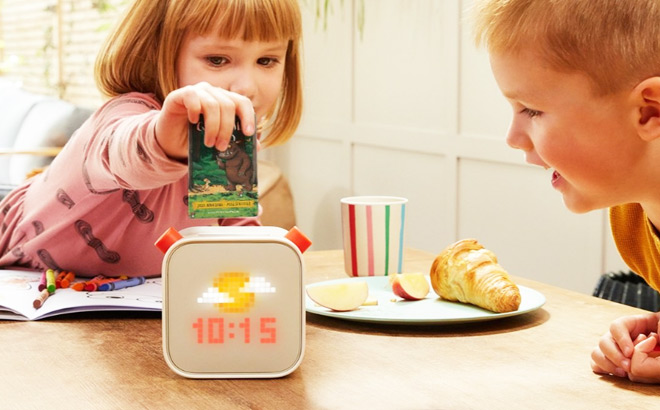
x,y
216,60
530,113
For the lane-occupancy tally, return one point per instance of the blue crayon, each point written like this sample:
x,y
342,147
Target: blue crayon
x,y
120,284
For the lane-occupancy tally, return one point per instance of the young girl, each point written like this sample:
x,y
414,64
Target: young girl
x,y
121,180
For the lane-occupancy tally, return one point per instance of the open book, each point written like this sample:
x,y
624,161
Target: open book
x,y
19,289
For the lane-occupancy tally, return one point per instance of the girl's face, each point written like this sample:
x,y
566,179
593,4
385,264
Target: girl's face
x,y
589,141
253,69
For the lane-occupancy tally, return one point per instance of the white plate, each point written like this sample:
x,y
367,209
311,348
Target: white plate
x,y
431,310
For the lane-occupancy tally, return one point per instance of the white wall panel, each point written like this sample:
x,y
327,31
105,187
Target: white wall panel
x,y
318,172
403,63
482,108
419,177
328,65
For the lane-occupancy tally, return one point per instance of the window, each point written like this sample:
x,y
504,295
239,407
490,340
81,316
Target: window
x,y
49,46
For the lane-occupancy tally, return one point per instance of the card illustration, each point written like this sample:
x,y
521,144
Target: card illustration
x,y
222,184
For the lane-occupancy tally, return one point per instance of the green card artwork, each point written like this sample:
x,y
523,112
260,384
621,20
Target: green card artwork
x,y
222,184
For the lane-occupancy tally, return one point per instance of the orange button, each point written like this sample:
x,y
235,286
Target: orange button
x,y
299,239
168,238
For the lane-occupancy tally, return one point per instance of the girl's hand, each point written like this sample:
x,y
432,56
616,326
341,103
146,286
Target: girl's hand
x,y
616,349
219,108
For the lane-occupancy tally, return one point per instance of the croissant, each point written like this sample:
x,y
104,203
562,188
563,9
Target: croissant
x,y
469,273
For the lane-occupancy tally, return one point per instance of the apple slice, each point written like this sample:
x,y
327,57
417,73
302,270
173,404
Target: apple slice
x,y
340,297
410,286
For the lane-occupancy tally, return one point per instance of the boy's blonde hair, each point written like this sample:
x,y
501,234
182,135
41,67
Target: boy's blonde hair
x,y
616,43
140,55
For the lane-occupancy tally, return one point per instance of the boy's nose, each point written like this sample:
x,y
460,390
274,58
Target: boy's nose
x,y
518,139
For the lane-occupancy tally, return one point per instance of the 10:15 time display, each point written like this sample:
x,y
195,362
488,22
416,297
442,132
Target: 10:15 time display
x,y
214,330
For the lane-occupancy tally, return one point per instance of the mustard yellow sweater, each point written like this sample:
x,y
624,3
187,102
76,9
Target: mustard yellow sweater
x,y
638,241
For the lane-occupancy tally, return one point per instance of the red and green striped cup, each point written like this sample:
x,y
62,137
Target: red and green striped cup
x,y
372,229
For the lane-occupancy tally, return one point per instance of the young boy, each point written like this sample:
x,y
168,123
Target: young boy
x,y
583,78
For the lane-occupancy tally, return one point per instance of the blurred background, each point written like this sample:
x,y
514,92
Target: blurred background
x,y
398,101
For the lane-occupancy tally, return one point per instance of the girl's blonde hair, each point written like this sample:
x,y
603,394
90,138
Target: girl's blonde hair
x,y
140,55
616,43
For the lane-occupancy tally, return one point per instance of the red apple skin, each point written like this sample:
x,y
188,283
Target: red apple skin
x,y
399,291
404,288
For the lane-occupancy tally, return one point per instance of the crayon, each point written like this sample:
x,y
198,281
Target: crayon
x,y
121,284
58,278
94,284
80,286
50,280
39,301
42,281
68,278
90,286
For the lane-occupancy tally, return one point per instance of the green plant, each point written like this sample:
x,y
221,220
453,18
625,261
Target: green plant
x,y
323,8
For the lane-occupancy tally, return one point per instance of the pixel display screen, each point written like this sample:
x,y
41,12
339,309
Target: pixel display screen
x,y
234,308
235,292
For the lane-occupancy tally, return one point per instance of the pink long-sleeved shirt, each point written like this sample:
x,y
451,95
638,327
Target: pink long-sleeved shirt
x,y
103,202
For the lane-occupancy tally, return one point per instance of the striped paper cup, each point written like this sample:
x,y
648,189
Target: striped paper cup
x,y
372,228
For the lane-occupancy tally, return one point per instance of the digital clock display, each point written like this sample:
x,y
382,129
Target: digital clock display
x,y
212,330
234,308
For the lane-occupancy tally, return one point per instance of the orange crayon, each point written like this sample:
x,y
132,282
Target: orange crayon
x,y
67,279
58,278
80,286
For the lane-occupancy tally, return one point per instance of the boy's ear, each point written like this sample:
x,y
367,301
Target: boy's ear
x,y
647,102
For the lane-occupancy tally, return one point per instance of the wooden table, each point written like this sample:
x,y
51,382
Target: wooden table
x,y
536,360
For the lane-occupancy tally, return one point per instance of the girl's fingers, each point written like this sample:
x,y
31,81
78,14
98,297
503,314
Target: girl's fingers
x,y
212,121
219,108
245,111
227,114
191,102
224,109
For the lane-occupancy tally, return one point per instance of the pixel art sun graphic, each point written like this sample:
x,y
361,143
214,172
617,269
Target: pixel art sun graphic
x,y
234,292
